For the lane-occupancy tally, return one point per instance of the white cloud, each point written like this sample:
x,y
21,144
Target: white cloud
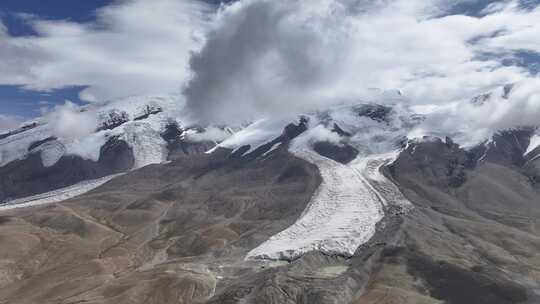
x,y
70,121
317,134
273,57
134,47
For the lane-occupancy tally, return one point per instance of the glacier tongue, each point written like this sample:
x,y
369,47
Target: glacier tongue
x,y
341,216
147,144
56,196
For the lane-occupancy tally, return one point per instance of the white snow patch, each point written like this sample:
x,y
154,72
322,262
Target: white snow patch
x,y
56,195
534,143
255,135
274,147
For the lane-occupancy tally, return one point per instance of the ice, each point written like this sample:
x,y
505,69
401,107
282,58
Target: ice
x,y
51,152
147,144
16,146
56,195
534,143
342,214
340,217
272,149
352,199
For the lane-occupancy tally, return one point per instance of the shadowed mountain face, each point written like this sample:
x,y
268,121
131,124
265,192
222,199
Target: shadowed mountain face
x,y
474,234
180,232
29,176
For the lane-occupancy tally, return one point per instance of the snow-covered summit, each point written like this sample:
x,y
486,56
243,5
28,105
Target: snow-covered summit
x,y
148,114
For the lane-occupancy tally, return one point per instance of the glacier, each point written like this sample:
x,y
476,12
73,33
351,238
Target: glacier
x,y
57,195
344,212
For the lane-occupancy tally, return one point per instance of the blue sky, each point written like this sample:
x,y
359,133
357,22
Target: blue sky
x,y
15,100
79,11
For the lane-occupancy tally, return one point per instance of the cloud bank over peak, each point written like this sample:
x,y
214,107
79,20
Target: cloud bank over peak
x,y
266,57
69,121
259,58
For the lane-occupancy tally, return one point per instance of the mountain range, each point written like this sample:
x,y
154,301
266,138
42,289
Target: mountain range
x,y
335,205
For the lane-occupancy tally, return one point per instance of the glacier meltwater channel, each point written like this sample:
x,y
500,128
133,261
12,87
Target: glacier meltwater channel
x,y
342,214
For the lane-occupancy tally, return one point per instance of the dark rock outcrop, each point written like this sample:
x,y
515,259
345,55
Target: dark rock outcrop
x,y
149,110
113,120
341,153
178,146
441,163
378,113
508,147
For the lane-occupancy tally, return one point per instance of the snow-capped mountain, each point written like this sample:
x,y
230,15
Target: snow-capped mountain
x,y
137,131
129,133
340,200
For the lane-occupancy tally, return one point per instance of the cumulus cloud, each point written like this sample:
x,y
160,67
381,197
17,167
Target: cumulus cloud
x,y
69,121
16,57
134,47
317,134
272,57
